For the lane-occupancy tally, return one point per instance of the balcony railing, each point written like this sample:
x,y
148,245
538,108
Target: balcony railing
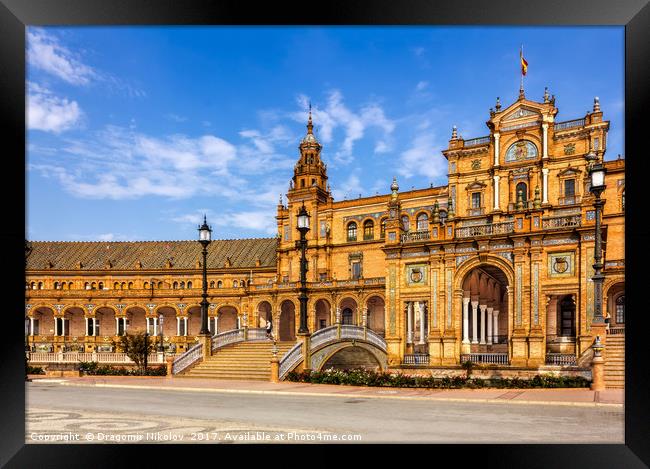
x,y
488,358
485,230
416,359
570,221
569,200
561,359
416,236
616,331
474,212
472,142
525,205
569,124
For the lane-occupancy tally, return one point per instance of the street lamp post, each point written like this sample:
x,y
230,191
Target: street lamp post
x,y
597,186
303,227
205,233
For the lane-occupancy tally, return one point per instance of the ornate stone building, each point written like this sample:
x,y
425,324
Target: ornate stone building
x,y
495,266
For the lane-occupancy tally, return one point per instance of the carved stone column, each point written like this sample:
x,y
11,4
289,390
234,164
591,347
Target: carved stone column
x,y
483,321
489,325
466,320
474,322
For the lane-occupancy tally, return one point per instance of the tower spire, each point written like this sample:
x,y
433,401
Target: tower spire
x,y
310,125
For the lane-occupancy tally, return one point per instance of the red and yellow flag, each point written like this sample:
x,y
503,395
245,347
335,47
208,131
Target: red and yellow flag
x,y
524,64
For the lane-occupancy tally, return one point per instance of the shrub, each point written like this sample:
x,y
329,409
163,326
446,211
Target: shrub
x,y
94,368
362,377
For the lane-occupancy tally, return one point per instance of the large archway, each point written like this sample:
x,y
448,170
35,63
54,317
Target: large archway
x,y
264,313
348,308
135,319
485,310
376,315
287,323
323,314
75,322
227,319
351,358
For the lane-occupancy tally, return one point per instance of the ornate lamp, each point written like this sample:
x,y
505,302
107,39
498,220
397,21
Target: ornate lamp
x,y
205,237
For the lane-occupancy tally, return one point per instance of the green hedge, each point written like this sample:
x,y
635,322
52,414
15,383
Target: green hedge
x,y
94,368
360,377
34,370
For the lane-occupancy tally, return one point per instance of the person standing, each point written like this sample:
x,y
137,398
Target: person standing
x,y
269,328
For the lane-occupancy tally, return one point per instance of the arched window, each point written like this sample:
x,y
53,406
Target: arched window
x,y
160,284
182,284
87,286
116,286
368,229
130,285
212,284
235,284
56,285
422,222
623,200
33,285
189,284
521,150
146,285
93,286
352,231
219,284
123,286
406,222
64,286
523,189
40,285
620,309
382,229
175,285
101,285
70,285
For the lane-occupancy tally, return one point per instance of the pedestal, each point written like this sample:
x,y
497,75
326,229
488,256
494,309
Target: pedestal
x,y
170,363
597,374
206,342
275,370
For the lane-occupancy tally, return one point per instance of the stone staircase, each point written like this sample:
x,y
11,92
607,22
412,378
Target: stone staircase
x,y
241,361
615,361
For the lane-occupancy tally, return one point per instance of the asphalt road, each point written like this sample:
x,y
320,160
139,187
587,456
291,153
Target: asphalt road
x,y
57,413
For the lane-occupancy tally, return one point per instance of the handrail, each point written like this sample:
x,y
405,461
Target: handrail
x,y
477,141
226,338
483,230
290,359
569,124
183,361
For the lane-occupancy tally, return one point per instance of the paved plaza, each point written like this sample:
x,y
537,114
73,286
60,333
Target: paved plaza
x,y
162,410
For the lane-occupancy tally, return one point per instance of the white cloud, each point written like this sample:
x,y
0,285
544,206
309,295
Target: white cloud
x,y
50,113
348,189
46,53
175,117
354,124
421,86
423,157
262,221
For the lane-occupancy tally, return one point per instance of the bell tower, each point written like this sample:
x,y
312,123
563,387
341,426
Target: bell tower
x,y
310,173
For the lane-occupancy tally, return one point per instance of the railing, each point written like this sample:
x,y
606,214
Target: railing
x,y
323,336
569,200
194,354
561,359
488,358
290,359
99,357
477,141
525,204
415,236
483,230
569,124
616,331
416,359
474,212
256,333
616,263
561,222
226,338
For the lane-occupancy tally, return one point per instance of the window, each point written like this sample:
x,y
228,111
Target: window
x,y
93,286
146,285
56,285
212,284
219,284
116,286
523,189
182,285
405,222
569,187
623,200
423,222
567,317
355,270
347,316
382,232
368,229
235,284
160,284
352,231
130,285
322,276
101,285
36,327
175,285
620,309
476,200
287,233
443,216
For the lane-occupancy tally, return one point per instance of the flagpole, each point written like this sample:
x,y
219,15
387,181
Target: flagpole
x,y
521,56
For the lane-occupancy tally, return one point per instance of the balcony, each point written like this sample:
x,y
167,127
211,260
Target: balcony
x,y
485,230
473,142
416,359
569,124
475,212
413,236
526,205
552,223
561,359
569,200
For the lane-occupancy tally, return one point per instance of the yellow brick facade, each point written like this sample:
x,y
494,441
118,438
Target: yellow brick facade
x,y
499,260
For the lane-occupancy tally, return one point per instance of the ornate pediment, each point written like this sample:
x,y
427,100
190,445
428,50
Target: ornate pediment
x,y
475,185
569,172
520,113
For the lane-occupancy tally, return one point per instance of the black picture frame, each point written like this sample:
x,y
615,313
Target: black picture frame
x,y
634,15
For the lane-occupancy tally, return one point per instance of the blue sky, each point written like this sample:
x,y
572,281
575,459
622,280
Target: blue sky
x,y
135,132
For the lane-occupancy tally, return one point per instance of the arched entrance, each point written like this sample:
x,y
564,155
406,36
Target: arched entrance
x,y
135,319
227,319
287,327
616,305
323,314
376,315
105,323
348,307
353,357
75,323
485,310
264,313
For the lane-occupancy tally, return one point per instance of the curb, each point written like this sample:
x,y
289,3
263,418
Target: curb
x,y
346,395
